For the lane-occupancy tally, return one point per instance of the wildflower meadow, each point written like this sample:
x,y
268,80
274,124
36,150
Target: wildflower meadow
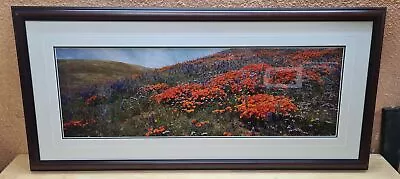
x,y
288,91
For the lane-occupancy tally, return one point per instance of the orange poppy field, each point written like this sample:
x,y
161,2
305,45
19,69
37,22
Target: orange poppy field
x,y
288,91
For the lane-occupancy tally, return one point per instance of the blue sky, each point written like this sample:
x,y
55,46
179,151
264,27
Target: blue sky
x,y
147,57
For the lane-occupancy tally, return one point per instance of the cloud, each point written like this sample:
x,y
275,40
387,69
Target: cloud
x,y
148,57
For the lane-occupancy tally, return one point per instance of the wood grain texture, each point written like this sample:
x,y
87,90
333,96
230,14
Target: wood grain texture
x,y
12,130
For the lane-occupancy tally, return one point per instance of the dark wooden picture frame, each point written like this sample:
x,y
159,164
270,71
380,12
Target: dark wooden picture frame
x,y
23,14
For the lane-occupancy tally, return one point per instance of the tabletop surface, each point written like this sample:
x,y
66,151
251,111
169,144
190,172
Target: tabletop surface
x,y
378,169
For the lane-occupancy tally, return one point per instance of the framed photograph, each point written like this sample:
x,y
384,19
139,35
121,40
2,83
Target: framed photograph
x,y
116,88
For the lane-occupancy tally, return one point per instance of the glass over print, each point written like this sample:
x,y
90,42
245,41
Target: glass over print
x,y
106,88
199,91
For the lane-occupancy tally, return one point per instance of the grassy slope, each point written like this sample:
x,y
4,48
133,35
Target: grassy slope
x,y
74,74
126,122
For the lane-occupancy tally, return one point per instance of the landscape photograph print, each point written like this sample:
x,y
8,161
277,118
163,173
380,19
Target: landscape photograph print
x,y
199,91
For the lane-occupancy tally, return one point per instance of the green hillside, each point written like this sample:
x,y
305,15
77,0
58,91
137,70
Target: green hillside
x,y
75,74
